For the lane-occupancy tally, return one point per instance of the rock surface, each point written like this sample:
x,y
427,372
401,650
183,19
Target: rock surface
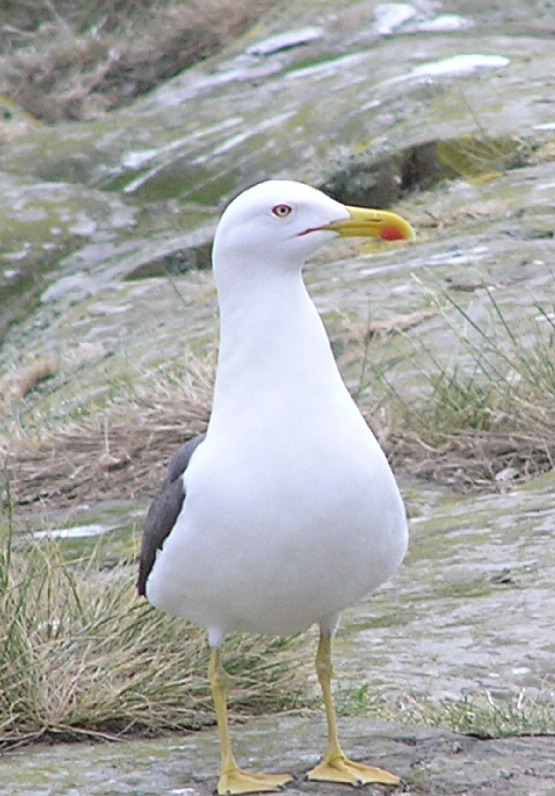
x,y
430,762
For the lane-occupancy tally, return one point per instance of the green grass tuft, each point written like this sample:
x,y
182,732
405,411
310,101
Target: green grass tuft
x,y
482,715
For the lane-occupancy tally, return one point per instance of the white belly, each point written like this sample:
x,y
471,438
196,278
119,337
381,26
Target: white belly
x,y
270,543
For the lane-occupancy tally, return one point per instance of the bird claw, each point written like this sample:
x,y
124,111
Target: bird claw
x,y
235,781
341,769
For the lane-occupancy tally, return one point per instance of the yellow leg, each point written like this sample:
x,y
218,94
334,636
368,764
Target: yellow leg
x,y
335,767
232,779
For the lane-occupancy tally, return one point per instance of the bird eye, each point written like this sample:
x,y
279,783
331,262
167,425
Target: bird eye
x,y
282,211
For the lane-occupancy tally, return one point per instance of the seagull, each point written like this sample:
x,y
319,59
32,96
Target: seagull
x,y
286,511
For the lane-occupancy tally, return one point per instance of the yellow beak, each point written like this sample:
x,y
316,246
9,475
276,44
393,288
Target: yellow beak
x,y
367,223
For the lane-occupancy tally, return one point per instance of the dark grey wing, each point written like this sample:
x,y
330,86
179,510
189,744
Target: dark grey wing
x,y
164,510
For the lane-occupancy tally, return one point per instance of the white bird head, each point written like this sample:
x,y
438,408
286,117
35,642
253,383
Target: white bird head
x,y
279,223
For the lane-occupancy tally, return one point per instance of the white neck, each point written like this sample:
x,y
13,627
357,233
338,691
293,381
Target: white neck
x,y
272,343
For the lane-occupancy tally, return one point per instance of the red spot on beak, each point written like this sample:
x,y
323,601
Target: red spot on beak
x,y
390,233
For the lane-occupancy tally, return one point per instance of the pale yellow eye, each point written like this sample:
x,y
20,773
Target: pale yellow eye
x,y
282,211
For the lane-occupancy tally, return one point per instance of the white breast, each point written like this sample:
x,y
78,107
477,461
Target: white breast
x,y
281,531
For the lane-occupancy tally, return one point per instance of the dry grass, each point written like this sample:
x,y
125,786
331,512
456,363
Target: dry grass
x,y
76,60
490,422
40,370
54,457
120,457
81,655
